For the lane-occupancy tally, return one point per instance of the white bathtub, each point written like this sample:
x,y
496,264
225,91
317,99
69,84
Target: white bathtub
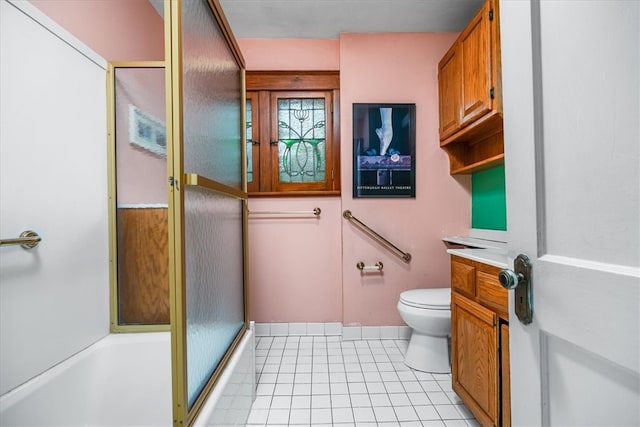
x,y
125,380
122,380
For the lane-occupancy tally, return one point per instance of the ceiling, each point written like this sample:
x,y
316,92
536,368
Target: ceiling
x,y
326,19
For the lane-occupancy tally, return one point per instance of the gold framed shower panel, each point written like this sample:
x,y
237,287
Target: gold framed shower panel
x,y
115,326
182,414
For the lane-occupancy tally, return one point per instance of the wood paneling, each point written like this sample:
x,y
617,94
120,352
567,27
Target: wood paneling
x,y
293,80
143,266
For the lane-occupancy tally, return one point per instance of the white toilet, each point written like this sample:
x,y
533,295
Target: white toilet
x,y
428,313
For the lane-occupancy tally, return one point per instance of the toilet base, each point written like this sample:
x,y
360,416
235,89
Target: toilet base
x,y
428,354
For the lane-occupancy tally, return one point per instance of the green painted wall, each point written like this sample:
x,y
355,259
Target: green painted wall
x,y
488,199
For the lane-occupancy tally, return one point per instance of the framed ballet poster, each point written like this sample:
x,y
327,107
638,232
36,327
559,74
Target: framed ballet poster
x,y
384,150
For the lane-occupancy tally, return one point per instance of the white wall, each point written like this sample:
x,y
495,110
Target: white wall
x,y
54,300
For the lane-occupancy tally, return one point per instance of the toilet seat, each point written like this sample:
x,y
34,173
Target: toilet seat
x,y
432,299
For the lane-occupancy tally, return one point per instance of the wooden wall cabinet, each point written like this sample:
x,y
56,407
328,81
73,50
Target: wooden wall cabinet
x,y
480,341
470,95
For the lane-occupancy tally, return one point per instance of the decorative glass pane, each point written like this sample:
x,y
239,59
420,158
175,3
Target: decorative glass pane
x,y
249,143
301,140
212,95
214,288
212,122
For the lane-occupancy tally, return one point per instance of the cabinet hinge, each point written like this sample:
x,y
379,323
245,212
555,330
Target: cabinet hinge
x,y
490,14
492,93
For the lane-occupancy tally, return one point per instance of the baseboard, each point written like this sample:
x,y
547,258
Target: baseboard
x,y
282,329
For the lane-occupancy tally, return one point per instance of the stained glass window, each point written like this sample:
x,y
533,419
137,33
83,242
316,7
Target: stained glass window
x,y
249,143
301,140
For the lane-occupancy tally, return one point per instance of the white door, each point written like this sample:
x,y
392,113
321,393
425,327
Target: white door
x,y
571,115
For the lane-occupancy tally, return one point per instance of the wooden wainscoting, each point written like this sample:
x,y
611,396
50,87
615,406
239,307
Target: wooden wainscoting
x,y
143,266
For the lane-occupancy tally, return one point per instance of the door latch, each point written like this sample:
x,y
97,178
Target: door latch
x,y
519,279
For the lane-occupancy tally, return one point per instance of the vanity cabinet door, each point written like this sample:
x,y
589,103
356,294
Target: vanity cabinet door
x,y
463,278
474,344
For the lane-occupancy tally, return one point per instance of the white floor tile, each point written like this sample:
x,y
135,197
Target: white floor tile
x,y
427,412
357,388
342,415
320,388
448,412
363,415
438,398
374,388
321,401
340,401
281,402
283,390
418,398
339,388
360,400
300,416
278,416
300,402
384,413
395,387
455,423
327,381
405,413
320,415
258,416
380,400
399,399
302,389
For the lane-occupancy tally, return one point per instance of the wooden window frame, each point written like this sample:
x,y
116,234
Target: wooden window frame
x,y
261,85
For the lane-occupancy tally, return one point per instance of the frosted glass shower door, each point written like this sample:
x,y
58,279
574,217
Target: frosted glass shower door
x,y
208,197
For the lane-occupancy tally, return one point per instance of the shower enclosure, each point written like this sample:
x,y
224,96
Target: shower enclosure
x,y
207,199
181,203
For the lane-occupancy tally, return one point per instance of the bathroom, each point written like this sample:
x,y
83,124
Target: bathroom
x,y
336,298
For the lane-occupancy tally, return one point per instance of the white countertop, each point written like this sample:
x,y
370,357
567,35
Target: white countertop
x,y
496,257
486,251
474,242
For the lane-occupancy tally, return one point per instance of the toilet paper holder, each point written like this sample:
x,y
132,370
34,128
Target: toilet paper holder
x,y
378,266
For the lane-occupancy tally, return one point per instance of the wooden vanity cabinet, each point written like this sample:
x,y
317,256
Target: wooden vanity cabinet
x,y
470,95
480,341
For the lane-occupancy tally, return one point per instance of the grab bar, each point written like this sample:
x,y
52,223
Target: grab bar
x,y
28,240
406,256
315,211
378,266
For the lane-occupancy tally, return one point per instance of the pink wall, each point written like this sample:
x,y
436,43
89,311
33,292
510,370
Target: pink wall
x,y
290,54
124,30
117,30
295,264
399,68
320,282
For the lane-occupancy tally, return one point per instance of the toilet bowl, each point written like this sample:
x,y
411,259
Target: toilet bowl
x,y
428,313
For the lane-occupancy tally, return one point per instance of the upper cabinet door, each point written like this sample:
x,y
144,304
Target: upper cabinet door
x,y
449,89
475,53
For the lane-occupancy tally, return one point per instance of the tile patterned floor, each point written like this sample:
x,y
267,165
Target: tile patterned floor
x,y
324,381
